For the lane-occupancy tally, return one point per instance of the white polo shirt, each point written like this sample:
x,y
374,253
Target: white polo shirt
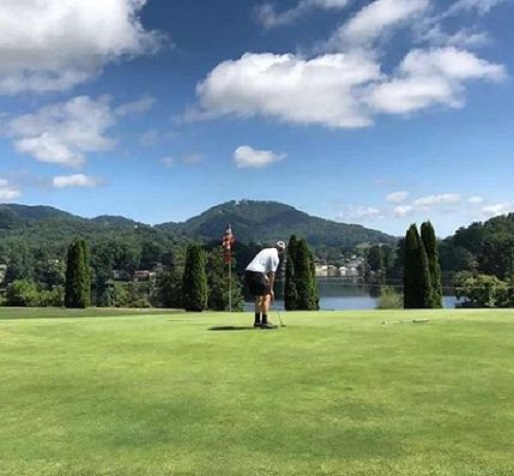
x,y
265,261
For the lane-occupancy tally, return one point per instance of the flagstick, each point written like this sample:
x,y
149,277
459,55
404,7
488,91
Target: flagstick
x,y
230,281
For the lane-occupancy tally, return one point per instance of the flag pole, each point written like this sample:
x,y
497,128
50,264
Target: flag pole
x,y
228,240
230,281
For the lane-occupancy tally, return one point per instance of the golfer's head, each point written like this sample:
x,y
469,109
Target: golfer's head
x,y
280,246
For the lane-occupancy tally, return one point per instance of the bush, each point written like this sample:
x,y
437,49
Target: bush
x,y
389,299
22,293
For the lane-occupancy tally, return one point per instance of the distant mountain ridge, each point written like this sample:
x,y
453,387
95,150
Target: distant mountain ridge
x,y
251,220
265,221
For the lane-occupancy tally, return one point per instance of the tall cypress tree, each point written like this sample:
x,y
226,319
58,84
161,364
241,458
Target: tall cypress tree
x,y
290,292
78,278
304,277
430,243
416,275
194,281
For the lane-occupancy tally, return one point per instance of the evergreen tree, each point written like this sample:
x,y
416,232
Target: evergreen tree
x,y
78,278
416,276
430,243
315,291
304,277
290,292
194,280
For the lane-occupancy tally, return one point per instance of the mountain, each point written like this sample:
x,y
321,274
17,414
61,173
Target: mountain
x,y
266,221
258,221
13,215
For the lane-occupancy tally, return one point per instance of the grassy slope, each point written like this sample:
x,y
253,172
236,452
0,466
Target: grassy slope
x,y
335,393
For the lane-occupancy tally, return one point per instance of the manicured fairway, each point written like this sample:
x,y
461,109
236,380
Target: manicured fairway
x,y
333,393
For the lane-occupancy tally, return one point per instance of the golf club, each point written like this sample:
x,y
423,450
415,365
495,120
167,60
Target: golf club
x,y
279,318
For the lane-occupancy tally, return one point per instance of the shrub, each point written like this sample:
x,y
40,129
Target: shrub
x,y
389,299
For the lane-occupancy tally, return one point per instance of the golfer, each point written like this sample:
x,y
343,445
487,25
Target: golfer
x,y
260,276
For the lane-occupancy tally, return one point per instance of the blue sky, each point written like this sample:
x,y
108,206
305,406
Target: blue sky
x,y
382,113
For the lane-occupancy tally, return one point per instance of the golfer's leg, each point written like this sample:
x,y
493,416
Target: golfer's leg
x,y
257,309
265,300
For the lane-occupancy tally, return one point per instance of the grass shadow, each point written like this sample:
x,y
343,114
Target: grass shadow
x,y
231,328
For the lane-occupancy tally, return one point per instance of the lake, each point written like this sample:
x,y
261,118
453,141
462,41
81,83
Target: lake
x,y
340,294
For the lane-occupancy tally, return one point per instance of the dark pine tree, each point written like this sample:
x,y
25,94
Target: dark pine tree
x,y
194,280
290,292
430,243
304,277
78,278
416,276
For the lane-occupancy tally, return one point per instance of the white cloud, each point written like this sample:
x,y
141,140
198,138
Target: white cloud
x,y
375,20
77,180
323,90
482,6
366,212
397,197
62,133
475,200
136,107
269,18
497,209
8,192
463,38
50,45
429,77
247,157
356,81
436,200
403,210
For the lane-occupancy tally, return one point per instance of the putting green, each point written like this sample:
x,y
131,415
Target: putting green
x,y
332,393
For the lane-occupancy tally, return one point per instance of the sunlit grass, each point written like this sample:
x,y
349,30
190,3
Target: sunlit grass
x,y
333,393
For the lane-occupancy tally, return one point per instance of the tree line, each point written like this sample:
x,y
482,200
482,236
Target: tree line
x,y
198,282
478,261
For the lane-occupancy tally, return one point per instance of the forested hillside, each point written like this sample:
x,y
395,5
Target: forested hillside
x,y
262,221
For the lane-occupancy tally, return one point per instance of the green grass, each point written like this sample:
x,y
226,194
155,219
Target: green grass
x,y
333,393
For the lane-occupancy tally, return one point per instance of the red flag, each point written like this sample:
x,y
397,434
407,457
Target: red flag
x,y
228,240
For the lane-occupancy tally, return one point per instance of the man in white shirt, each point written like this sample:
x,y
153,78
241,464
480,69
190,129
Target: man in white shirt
x,y
260,277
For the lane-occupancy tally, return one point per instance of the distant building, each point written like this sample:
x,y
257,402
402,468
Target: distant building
x,y
143,275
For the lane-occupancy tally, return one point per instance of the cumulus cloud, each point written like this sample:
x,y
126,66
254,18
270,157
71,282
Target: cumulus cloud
x,y
430,77
8,192
403,210
475,200
366,212
375,20
77,180
136,107
340,90
440,199
497,209
397,197
49,45
351,80
323,90
482,6
247,157
268,16
63,133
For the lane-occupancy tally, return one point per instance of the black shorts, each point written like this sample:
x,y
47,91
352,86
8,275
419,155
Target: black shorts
x,y
257,283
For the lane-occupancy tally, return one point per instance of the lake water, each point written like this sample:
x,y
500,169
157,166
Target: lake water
x,y
339,294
